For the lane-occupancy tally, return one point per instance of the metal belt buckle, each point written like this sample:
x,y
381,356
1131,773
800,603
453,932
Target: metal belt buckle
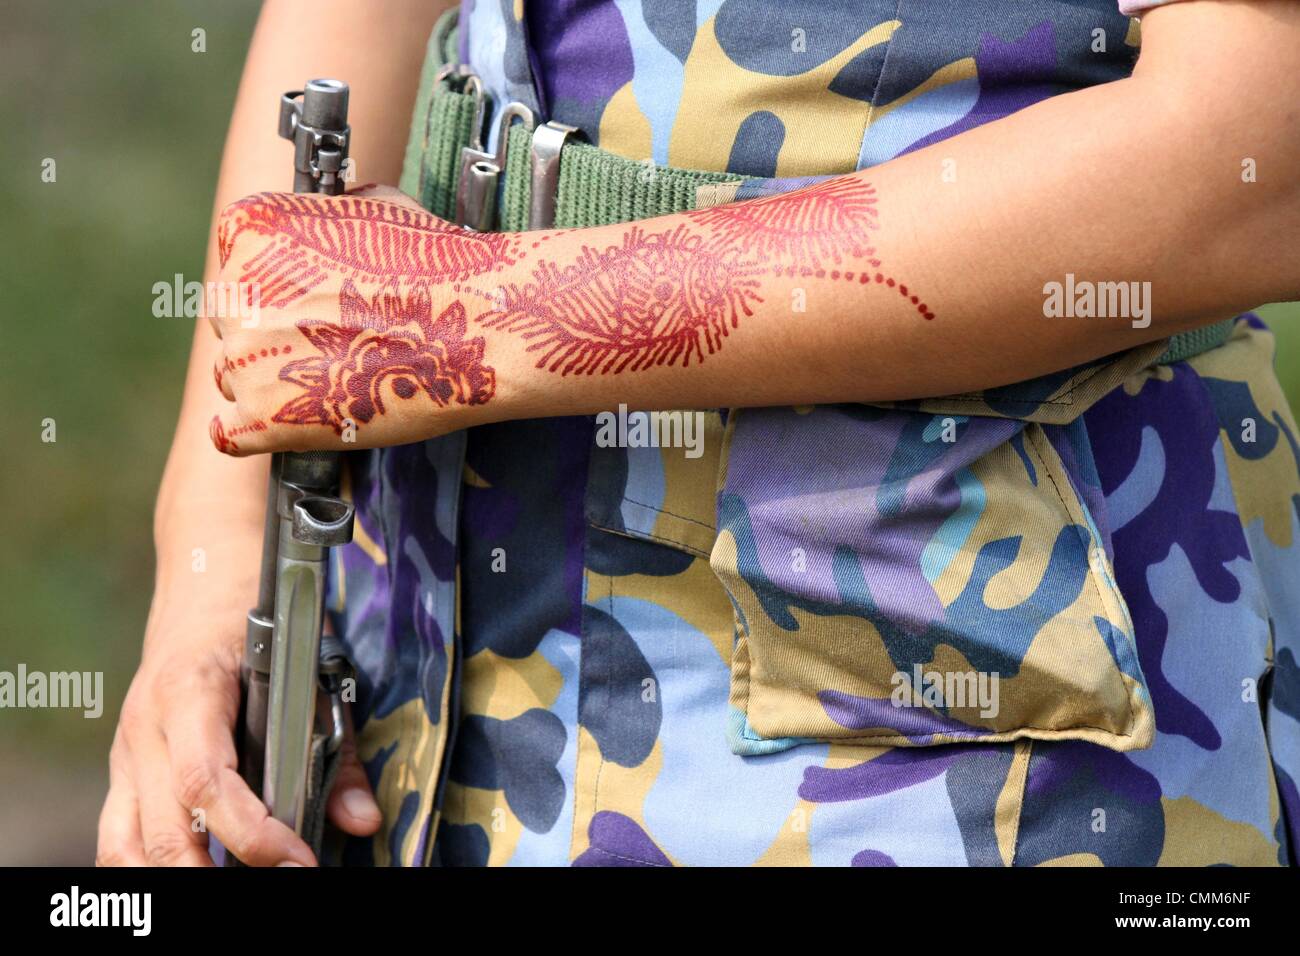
x,y
548,142
452,76
471,85
480,171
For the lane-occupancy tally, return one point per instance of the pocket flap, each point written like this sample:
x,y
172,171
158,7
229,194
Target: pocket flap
x,y
902,578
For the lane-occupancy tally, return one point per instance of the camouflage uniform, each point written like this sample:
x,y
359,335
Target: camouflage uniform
x,y
624,656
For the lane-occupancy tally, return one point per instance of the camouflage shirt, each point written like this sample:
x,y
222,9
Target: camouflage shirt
x,y
1049,623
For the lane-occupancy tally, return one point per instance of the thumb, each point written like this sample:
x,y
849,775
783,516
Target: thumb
x,y
352,807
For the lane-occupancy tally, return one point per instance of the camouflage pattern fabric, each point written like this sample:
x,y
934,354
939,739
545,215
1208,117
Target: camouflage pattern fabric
x,y
588,655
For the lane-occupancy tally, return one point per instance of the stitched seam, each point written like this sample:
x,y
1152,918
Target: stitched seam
x,y
880,77
665,511
600,753
629,859
577,732
1020,810
609,674
998,737
1034,439
647,534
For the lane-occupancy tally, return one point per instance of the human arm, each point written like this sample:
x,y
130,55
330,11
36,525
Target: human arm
x,y
173,752
1134,181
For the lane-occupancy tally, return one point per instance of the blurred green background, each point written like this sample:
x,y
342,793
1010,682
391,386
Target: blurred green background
x,y
135,121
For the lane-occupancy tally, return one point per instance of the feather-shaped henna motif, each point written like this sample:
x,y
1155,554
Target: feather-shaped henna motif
x,y
367,240
654,299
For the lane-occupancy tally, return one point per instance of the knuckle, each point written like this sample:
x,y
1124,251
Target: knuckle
x,y
117,758
167,849
106,856
195,784
133,719
251,846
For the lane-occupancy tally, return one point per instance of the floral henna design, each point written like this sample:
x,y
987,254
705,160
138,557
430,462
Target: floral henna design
x,y
364,239
654,299
388,346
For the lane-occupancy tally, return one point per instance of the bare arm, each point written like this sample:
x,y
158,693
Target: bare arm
x,y
173,751
891,283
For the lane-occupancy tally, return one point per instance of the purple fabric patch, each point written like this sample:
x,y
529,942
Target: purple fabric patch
x,y
917,724
891,771
869,481
1011,76
616,840
562,34
873,858
1180,412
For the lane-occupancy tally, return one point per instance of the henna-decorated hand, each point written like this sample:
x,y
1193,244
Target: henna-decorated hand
x,y
353,334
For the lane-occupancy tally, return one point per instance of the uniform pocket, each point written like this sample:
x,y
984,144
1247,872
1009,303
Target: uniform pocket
x,y
908,578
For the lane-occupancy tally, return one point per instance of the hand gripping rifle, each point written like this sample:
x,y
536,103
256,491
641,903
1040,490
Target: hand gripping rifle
x,y
283,754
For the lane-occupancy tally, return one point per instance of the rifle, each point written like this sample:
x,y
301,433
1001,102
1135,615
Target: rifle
x,y
283,754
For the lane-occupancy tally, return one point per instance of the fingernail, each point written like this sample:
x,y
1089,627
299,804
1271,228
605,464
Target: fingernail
x,y
358,803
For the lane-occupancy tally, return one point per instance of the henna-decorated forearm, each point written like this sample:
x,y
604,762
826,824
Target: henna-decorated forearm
x,y
656,297
820,295
660,293
666,294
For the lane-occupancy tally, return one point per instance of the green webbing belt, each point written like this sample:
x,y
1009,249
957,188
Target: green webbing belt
x,y
595,187
598,188
1187,345
450,122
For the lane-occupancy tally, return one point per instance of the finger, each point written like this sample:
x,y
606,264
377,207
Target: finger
x,y
387,194
352,807
377,191
232,435
221,374
232,222
201,750
119,842
165,826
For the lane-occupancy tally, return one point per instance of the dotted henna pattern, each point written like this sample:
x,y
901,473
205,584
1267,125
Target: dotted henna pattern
x,y
225,440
